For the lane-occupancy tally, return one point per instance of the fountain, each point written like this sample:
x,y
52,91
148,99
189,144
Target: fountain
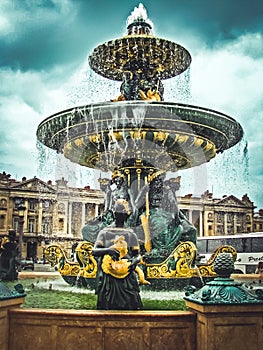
x,y
139,137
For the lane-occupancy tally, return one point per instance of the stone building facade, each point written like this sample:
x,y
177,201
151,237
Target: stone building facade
x,y
51,212
57,212
258,221
219,216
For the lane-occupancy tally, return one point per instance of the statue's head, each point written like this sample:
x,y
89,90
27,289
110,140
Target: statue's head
x,y
121,214
118,177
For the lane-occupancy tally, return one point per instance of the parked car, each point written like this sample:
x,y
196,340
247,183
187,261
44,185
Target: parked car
x,y
27,264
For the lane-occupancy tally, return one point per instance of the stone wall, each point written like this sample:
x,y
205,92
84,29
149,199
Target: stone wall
x,y
5,307
228,327
212,327
98,330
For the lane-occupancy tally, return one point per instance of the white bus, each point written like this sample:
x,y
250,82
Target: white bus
x,y
249,247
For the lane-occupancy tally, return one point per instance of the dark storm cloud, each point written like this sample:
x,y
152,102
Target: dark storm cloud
x,y
43,34
215,20
43,68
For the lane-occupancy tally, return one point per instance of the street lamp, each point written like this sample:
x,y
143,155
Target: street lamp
x,y
21,210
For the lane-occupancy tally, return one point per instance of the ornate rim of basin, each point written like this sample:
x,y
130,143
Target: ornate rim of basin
x,y
172,135
160,56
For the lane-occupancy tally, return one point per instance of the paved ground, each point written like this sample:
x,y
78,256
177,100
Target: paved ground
x,y
41,270
35,274
45,270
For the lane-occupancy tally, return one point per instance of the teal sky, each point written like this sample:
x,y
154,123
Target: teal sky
x,y
44,46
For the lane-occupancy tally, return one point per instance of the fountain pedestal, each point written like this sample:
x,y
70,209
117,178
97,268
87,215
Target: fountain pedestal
x,y
228,327
229,316
8,300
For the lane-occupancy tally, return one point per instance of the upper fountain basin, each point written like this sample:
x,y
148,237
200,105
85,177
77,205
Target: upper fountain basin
x,y
170,136
139,53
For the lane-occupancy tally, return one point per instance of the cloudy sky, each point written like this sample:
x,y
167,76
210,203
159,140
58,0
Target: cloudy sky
x,y
44,46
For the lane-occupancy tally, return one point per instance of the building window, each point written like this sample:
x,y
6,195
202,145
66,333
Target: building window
x,y
31,225
61,208
46,204
239,229
186,213
230,229
220,230
220,217
248,219
16,224
18,202
210,216
31,205
230,217
46,226
3,203
2,221
61,224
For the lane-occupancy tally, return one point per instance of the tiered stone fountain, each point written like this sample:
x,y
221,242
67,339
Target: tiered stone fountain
x,y
139,138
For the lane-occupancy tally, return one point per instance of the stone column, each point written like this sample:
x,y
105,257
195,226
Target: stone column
x,y
40,217
69,218
201,225
225,223
235,224
190,213
83,215
96,210
25,227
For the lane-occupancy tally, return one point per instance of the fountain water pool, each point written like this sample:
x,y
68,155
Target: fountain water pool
x,y
55,293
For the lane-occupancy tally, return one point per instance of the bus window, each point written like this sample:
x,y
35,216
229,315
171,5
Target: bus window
x,y
213,244
201,246
257,244
242,245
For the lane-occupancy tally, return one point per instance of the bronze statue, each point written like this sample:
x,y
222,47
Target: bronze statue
x,y
8,257
117,286
117,195
161,219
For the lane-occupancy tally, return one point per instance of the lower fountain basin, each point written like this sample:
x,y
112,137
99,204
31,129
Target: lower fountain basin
x,y
172,136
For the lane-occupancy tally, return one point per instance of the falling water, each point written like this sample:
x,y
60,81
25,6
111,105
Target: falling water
x,y
178,89
230,169
46,159
89,87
